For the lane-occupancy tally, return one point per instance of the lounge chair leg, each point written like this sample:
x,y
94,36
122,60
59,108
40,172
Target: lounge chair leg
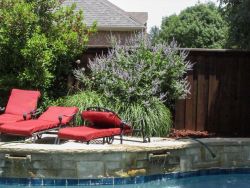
x,y
121,138
38,136
34,139
57,140
110,140
103,140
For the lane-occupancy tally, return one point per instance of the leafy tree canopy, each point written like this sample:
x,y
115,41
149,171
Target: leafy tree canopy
x,y
200,26
238,14
38,41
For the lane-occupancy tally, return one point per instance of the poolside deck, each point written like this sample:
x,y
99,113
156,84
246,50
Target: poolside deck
x,y
70,159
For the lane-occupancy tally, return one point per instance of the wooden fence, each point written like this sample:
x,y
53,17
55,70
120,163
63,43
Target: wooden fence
x,y
220,93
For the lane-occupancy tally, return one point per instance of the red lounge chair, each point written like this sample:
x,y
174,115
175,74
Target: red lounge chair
x,y
21,104
52,119
104,124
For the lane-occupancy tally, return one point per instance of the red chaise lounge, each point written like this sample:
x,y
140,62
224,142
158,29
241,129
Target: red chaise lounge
x,y
103,124
52,119
20,106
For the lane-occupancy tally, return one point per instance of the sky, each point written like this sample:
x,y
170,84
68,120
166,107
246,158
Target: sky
x,y
156,8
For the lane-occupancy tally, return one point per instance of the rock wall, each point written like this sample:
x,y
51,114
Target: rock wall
x,y
121,160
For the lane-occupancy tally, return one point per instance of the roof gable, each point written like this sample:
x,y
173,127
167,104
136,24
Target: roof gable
x,y
106,14
141,17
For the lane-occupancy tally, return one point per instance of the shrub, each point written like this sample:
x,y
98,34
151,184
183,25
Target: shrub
x,y
38,41
156,118
138,71
137,79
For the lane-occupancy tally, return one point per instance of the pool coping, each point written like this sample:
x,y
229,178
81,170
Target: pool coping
x,y
160,144
143,161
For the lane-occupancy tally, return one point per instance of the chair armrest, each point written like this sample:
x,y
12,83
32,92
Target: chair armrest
x,y
2,109
70,115
25,115
122,126
35,113
60,119
141,129
97,108
123,123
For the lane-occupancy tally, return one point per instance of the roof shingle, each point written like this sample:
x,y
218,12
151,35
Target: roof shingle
x,y
106,14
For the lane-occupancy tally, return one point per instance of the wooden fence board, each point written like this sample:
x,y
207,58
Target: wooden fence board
x,y
194,98
220,93
189,122
244,96
180,114
202,95
212,91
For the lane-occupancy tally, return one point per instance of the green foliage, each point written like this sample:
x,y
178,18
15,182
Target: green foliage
x,y
136,74
156,118
38,41
154,34
238,15
137,79
82,100
200,26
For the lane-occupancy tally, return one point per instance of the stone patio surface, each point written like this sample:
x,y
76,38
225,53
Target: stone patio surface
x,y
45,145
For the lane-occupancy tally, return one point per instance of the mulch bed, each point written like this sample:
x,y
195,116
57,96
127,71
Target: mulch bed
x,y
189,133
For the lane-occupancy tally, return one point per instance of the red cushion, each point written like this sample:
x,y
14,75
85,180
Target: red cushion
x,y
85,134
22,101
126,130
53,112
102,119
10,118
27,128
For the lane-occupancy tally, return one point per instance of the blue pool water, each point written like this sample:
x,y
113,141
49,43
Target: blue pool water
x,y
211,181
215,179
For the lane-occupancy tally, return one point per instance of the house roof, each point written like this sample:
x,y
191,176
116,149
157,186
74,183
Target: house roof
x,y
141,17
107,15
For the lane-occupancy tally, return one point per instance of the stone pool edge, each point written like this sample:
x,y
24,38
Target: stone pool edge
x,y
75,162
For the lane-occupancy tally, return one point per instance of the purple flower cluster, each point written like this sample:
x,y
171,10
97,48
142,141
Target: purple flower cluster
x,y
138,71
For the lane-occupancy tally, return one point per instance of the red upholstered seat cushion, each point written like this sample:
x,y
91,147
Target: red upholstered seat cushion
x,y
27,128
85,134
10,118
22,101
53,112
47,120
102,119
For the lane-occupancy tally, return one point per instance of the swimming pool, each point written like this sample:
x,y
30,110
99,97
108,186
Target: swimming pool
x,y
226,178
209,181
